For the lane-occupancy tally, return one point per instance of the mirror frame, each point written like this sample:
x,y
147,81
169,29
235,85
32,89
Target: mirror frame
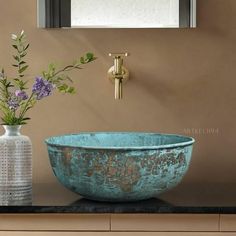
x,y
57,14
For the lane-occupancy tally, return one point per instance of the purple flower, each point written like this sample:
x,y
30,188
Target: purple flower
x,y
21,94
42,88
13,102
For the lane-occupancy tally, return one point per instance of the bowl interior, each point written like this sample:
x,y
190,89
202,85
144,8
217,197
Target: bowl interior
x,y
120,140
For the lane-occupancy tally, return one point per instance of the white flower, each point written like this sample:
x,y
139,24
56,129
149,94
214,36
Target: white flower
x,y
14,37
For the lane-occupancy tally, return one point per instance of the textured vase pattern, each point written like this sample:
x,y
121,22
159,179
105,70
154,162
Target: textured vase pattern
x,y
15,167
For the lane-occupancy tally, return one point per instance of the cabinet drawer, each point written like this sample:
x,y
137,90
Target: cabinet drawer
x,y
4,233
228,222
165,222
60,222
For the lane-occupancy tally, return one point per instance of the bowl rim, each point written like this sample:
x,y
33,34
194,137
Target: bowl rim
x,y
190,142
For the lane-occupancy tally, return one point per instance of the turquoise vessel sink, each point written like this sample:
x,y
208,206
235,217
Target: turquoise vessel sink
x,y
119,166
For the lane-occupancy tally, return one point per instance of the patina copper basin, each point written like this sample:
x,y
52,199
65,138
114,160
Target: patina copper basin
x,y
119,166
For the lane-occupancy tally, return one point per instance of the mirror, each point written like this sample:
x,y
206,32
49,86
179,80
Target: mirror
x,y
116,13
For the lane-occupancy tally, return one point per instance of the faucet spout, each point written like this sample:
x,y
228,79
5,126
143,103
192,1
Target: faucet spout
x,y
118,63
118,88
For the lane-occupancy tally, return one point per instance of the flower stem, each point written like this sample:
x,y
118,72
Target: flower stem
x,y
22,113
67,68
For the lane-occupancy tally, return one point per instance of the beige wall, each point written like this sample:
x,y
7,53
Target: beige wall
x,y
180,79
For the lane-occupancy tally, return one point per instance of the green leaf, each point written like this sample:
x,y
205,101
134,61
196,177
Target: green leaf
x,y
22,35
44,73
23,54
14,46
82,61
22,62
51,66
26,47
71,90
90,56
64,88
23,123
51,69
26,118
8,85
14,65
21,84
16,58
23,69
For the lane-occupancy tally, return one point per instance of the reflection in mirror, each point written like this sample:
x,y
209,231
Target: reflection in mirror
x,y
125,13
117,13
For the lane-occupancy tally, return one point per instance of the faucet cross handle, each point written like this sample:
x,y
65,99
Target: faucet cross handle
x,y
122,54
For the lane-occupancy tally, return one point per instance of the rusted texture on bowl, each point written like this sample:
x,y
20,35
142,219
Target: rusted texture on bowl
x,y
119,166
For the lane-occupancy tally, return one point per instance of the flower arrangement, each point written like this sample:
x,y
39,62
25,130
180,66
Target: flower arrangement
x,y
16,99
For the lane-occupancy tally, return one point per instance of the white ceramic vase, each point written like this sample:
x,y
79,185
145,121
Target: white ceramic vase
x,y
15,167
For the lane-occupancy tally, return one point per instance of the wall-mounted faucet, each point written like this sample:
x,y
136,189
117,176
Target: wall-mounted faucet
x,y
118,74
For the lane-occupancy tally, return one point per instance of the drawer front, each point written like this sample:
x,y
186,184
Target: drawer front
x,y
228,222
4,233
165,222
60,222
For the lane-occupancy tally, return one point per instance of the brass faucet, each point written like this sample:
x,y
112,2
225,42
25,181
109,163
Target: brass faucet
x,y
118,74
